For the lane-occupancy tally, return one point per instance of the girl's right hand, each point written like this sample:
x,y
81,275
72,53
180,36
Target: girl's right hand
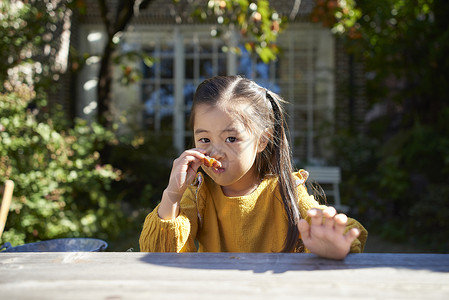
x,y
184,170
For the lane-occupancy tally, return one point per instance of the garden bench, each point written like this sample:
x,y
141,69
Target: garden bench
x,y
328,177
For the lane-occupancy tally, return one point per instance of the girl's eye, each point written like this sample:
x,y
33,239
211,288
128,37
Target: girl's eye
x,y
204,140
231,139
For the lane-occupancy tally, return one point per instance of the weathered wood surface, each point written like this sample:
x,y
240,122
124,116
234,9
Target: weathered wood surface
x,y
128,275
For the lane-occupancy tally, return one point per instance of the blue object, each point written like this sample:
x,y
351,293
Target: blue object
x,y
60,245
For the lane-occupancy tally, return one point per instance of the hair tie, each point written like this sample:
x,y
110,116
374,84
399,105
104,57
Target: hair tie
x,y
270,98
275,107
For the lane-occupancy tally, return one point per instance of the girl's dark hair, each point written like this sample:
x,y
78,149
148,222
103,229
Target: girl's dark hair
x,y
262,114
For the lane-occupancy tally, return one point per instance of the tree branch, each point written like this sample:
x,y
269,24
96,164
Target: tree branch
x,y
124,14
105,15
295,9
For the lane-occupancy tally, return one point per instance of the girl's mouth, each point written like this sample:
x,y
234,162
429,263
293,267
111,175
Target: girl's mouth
x,y
218,170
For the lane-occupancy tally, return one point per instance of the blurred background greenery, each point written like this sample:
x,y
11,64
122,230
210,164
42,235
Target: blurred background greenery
x,y
76,178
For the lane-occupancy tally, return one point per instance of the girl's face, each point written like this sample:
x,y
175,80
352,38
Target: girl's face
x,y
227,140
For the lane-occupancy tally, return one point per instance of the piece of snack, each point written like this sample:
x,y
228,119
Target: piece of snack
x,y
211,162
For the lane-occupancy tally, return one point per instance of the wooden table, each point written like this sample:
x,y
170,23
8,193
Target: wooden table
x,y
135,275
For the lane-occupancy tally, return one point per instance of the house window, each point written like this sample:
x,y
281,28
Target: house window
x,y
306,80
251,66
203,57
158,86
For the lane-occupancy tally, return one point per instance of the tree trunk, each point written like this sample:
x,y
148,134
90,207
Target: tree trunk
x,y
125,10
104,85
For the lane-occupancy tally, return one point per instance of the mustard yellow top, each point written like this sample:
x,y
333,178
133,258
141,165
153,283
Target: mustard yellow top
x,y
253,223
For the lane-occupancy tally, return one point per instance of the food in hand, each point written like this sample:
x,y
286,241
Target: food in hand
x,y
211,162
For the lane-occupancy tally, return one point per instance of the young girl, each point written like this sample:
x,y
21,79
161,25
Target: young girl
x,y
246,197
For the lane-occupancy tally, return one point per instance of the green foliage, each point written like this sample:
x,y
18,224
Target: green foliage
x,y
130,75
62,189
430,218
61,186
31,41
403,189
145,160
257,22
399,189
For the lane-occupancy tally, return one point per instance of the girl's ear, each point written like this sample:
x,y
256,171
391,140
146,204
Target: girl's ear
x,y
263,140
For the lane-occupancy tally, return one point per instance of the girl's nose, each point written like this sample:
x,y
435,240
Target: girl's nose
x,y
216,152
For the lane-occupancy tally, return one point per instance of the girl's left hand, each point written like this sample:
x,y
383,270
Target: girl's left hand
x,y
325,235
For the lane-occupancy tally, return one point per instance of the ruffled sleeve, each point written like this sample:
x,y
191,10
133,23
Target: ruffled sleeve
x,y
305,201
176,235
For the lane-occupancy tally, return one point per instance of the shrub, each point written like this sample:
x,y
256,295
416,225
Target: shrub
x,y
145,159
61,186
398,184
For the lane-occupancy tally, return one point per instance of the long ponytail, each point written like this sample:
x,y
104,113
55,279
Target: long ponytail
x,y
282,165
